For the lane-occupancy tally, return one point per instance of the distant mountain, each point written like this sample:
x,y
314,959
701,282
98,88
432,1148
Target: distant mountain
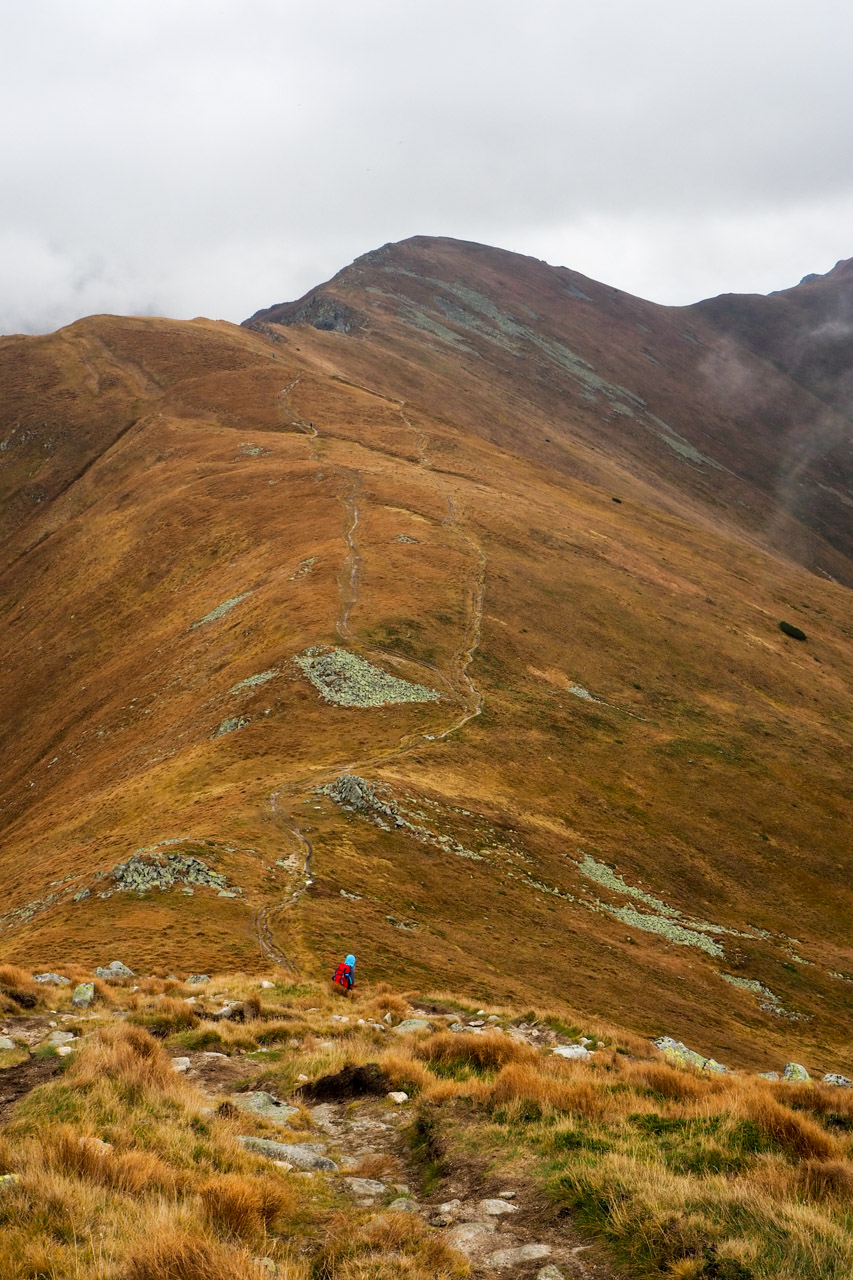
x,y
436,616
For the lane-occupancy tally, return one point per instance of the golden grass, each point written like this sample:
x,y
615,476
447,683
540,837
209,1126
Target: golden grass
x,y
176,1255
246,1206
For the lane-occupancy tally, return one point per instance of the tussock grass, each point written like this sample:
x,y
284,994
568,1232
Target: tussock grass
x,y
176,1255
482,1053
390,1246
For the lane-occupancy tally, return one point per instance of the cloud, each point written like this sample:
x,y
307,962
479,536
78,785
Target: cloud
x,y
189,158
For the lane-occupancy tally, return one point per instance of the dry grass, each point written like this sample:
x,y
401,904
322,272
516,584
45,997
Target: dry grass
x,y
175,1255
388,1246
487,1052
18,989
245,1206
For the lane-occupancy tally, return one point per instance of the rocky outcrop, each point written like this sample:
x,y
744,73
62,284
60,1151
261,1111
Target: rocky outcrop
x,y
681,1056
142,873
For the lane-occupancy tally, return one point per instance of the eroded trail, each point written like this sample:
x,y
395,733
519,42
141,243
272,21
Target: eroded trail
x,y
457,679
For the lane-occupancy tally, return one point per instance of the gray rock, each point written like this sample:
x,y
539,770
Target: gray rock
x,y
302,1155
53,978
366,1186
521,1253
834,1078
794,1072
6,1042
196,978
404,1204
470,1237
494,1208
61,1037
572,1051
679,1054
264,1104
81,895
83,995
769,1075
411,1024
550,1273
181,1064
115,969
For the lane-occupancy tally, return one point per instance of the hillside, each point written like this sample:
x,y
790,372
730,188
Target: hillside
x,y
447,632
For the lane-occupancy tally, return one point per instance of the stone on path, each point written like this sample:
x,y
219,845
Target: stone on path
x,y
411,1024
61,1037
470,1237
114,970
181,1064
264,1104
494,1208
521,1253
834,1078
793,1071
398,1096
404,1204
83,995
6,1042
366,1186
302,1155
550,1273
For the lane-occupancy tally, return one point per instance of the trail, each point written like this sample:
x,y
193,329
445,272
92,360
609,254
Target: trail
x,y
459,679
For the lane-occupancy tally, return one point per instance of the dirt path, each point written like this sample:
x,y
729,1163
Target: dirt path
x,y
458,679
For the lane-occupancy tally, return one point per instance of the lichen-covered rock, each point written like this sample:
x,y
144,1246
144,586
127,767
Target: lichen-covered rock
x,y
679,1054
83,995
195,979
53,978
264,1104
841,1081
142,873
349,681
793,1071
302,1155
411,1024
114,970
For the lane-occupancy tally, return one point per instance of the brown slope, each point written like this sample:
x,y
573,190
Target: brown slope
x,y
711,776
590,381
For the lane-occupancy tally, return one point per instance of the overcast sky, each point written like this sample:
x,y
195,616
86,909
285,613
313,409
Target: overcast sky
x,y
209,157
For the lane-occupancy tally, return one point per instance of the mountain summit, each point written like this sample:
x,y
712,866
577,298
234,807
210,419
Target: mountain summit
x,y
466,614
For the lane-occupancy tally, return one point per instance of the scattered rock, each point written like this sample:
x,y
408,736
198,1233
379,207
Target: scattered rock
x,y
304,1155
521,1253
349,681
53,978
181,1064
398,1096
60,1037
769,1075
81,895
264,1104
448,1212
551,1272
114,970
63,1050
470,1237
195,978
494,1208
834,1078
576,1051
404,1204
684,1057
366,1186
9,1179
83,995
265,984
793,1071
410,1025
6,1042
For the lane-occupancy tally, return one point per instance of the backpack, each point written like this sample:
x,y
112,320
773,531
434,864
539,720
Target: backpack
x,y
343,976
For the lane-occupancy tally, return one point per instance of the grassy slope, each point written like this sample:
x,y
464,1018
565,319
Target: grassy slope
x,y
723,793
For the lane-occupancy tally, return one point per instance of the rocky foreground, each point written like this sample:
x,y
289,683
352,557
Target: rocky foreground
x,y
159,1128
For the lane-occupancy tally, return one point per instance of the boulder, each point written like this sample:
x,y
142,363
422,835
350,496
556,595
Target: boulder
x,y
301,1155
6,1042
410,1025
550,1273
404,1204
61,1037
794,1072
196,978
181,1064
114,970
53,978
83,995
681,1056
834,1078
572,1051
398,1096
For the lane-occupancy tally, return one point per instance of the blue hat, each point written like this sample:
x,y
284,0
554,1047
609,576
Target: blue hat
x,y
350,960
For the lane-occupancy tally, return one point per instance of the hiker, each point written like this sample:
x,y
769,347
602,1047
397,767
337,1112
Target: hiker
x,y
344,978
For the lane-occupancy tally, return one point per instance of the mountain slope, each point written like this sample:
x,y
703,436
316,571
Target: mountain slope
x,y
607,779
